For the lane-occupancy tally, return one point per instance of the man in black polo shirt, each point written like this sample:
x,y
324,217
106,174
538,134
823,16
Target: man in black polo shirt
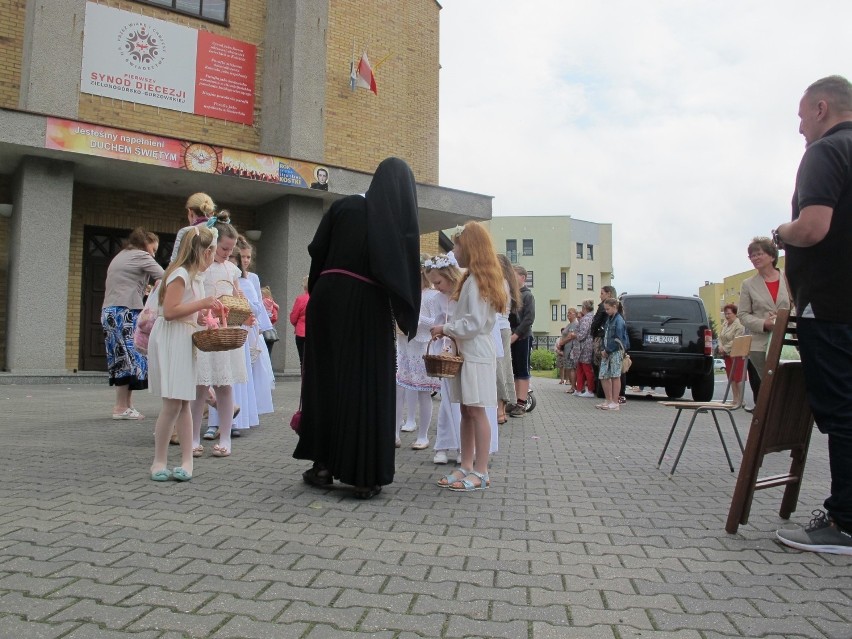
x,y
819,269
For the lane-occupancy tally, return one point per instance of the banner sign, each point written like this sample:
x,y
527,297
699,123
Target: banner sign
x,y
119,144
149,61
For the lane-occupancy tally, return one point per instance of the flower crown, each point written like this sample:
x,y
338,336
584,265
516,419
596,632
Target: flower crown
x,y
440,261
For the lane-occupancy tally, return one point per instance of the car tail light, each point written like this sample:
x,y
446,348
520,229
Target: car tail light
x,y
708,341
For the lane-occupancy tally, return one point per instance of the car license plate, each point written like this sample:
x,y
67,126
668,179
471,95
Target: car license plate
x,y
662,339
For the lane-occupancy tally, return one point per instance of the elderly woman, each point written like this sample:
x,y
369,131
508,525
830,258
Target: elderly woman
x,y
760,298
584,351
731,328
127,276
566,366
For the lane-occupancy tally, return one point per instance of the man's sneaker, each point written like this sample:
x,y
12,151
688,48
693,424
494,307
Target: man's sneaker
x,y
515,411
820,535
586,394
440,457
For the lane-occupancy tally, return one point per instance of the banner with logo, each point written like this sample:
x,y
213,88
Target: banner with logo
x,y
133,146
149,61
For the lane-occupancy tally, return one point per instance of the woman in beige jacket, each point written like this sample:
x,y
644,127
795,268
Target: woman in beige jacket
x,y
760,298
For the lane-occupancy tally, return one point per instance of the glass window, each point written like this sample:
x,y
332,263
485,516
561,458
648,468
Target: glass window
x,y
554,312
563,280
512,251
579,281
530,279
564,312
213,10
579,250
590,283
528,247
590,251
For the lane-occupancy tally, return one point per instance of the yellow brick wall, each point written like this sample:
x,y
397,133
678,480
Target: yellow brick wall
x,y
119,209
12,16
247,20
361,129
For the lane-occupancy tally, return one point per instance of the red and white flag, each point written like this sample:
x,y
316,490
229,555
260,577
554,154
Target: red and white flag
x,y
364,77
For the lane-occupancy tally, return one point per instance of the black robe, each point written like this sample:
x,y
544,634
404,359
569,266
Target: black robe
x,y
348,389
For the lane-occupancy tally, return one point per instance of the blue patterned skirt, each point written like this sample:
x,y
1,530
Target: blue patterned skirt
x,y
126,366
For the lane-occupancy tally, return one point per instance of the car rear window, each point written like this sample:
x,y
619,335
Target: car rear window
x,y
660,309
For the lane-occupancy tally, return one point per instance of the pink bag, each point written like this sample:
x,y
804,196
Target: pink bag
x,y
145,322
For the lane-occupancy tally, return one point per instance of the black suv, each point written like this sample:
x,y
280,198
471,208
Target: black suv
x,y
670,344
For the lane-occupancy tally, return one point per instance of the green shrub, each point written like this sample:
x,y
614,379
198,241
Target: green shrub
x,y
542,359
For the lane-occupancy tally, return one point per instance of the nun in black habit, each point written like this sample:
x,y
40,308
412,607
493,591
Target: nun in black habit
x,y
364,279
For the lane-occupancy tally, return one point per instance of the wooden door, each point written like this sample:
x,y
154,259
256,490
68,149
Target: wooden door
x,y
100,245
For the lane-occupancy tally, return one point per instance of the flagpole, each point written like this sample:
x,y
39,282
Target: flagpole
x,y
352,67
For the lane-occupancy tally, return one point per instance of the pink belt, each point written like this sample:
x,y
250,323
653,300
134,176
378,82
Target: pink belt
x,y
350,274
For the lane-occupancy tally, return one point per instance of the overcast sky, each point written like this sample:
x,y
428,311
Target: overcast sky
x,y
674,120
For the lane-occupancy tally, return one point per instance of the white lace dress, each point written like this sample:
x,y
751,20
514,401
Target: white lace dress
x,y
222,368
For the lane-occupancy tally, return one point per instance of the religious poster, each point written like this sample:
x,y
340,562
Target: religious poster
x,y
149,61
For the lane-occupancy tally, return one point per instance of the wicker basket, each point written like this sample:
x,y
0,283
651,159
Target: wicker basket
x,y
219,339
445,364
238,307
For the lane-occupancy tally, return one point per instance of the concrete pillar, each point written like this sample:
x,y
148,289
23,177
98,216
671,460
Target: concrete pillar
x,y
293,100
287,226
53,57
39,241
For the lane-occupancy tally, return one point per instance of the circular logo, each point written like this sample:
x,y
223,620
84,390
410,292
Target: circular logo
x,y
142,46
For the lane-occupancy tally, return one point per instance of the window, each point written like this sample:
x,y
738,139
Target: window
x,y
579,250
512,251
563,280
554,312
528,247
530,279
590,252
213,10
564,312
590,284
580,281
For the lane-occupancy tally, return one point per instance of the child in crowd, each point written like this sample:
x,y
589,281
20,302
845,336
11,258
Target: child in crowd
x,y
271,312
615,343
412,384
171,361
224,368
443,273
479,297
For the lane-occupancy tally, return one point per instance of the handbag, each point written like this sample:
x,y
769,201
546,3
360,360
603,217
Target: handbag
x,y
145,322
626,362
270,335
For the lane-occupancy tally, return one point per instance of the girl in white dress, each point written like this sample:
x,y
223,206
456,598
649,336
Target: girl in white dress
x,y
219,369
443,273
255,395
171,357
479,298
412,381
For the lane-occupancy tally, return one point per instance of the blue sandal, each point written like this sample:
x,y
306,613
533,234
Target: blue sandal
x,y
468,486
452,478
162,475
180,474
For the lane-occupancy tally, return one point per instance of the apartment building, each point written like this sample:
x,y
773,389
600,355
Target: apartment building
x,y
567,261
112,112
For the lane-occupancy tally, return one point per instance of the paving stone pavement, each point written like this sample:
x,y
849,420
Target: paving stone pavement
x,y
580,535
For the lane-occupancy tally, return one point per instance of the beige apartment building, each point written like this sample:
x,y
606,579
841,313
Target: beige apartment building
x,y
567,261
112,112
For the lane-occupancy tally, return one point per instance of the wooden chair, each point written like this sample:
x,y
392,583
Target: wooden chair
x,y
739,357
782,421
